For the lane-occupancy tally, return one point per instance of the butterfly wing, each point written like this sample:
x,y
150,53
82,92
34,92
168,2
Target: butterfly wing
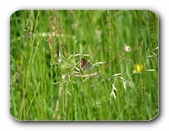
x,y
84,64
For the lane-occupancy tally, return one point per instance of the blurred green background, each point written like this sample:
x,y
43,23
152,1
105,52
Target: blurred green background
x,y
47,83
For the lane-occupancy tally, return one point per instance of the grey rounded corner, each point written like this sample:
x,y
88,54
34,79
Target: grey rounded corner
x,y
154,118
15,12
14,117
155,13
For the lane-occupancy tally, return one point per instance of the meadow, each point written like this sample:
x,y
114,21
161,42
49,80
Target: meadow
x,y
117,82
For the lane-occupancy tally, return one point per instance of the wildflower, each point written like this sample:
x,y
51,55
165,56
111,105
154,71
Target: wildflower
x,y
127,48
138,68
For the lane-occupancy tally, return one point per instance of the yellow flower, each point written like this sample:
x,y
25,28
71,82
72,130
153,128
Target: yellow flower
x,y
138,68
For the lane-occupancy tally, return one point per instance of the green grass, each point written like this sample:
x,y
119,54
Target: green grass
x,y
47,83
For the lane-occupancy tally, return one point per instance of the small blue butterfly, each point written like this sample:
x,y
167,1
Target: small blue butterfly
x,y
84,64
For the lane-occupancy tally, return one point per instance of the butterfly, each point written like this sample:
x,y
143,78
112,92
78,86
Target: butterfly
x,y
84,64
